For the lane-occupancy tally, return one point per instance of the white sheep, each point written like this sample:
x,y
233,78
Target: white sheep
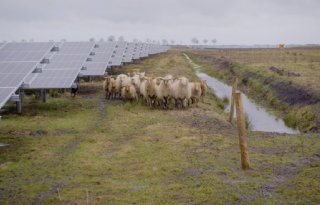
x,y
135,81
120,80
204,89
181,91
163,90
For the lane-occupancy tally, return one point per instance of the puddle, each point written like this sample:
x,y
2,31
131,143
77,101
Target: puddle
x,y
260,119
3,145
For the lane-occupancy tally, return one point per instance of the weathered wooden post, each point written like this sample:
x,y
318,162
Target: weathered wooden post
x,y
243,138
234,88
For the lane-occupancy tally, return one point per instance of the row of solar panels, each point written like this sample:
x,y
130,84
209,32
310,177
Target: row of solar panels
x,y
44,65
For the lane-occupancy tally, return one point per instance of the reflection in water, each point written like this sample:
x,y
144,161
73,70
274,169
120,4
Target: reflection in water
x,y
259,118
3,145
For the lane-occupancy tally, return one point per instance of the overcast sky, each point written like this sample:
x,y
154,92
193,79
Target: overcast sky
x,y
229,21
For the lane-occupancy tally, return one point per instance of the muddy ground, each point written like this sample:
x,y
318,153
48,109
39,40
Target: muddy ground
x,y
91,150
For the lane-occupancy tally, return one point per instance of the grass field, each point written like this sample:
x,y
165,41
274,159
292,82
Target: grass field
x,y
95,151
285,80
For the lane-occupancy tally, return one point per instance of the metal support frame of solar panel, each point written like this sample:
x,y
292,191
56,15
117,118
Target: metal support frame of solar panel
x,y
17,61
128,54
136,54
145,50
116,59
142,51
99,61
64,66
155,49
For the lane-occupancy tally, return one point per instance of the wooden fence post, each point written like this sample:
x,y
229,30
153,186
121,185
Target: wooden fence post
x,y
234,88
243,138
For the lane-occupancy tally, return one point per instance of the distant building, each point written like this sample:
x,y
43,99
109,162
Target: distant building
x,y
281,46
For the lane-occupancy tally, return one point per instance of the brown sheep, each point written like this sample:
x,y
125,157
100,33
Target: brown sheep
x,y
112,89
128,92
106,84
204,89
196,92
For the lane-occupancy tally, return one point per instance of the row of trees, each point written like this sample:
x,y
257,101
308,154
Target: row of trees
x,y
110,38
194,40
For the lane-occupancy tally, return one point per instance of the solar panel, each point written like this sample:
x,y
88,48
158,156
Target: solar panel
x,y
94,68
54,79
27,46
5,94
128,55
116,58
17,61
76,48
100,58
63,67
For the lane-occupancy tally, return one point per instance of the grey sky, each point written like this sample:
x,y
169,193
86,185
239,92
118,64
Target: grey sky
x,y
229,21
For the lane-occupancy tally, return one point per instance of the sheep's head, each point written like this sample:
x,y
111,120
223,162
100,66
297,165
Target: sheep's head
x,y
135,80
166,81
184,81
108,79
147,79
126,88
122,77
157,81
113,84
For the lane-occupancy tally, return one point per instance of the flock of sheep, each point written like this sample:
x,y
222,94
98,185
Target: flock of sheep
x,y
157,91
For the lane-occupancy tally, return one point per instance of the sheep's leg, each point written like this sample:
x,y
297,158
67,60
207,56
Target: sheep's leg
x,y
149,102
180,104
176,103
164,104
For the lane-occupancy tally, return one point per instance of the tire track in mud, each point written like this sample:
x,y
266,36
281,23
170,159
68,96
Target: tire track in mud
x,y
282,175
286,172
70,147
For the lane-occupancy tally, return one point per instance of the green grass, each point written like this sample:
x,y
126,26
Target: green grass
x,y
252,67
123,153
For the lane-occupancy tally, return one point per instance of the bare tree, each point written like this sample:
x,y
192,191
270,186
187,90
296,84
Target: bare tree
x,y
101,40
111,38
91,39
205,41
172,42
214,41
121,38
194,40
165,42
